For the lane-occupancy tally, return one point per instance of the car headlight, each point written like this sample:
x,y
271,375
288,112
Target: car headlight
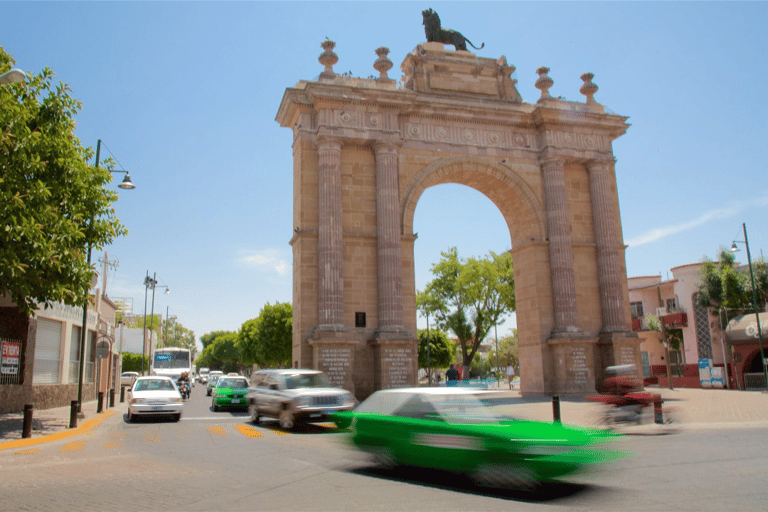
x,y
349,399
177,400
302,401
135,401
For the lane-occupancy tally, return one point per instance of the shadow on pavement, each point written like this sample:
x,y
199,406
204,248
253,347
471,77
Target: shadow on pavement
x,y
438,479
11,428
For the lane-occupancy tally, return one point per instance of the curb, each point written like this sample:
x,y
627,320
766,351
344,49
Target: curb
x,y
85,428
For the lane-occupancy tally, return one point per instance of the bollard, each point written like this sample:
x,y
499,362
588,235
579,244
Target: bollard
x,y
556,408
26,431
100,406
122,394
658,414
112,397
73,414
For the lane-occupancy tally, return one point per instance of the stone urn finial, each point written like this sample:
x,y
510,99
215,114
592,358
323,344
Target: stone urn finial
x,y
382,64
588,89
328,58
544,83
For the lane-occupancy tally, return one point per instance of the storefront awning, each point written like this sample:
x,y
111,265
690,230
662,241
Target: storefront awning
x,y
744,328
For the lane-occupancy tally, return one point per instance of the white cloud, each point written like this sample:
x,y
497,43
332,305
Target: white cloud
x,y
268,259
656,234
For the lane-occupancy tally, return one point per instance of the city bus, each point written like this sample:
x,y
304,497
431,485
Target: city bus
x,y
171,362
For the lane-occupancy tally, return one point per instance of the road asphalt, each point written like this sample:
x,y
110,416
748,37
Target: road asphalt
x,y
689,408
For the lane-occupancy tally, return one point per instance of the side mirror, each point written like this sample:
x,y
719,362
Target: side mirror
x,y
273,386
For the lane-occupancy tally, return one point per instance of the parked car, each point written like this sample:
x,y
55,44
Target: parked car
x,y
230,392
452,429
295,396
155,396
128,378
212,378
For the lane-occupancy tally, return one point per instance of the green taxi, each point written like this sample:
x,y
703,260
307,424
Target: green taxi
x,y
453,429
230,391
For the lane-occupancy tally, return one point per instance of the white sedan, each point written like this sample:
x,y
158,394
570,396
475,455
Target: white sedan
x,y
155,396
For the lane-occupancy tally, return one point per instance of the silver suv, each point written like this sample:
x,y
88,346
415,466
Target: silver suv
x,y
295,396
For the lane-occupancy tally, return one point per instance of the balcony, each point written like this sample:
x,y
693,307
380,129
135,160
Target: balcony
x,y
676,320
637,324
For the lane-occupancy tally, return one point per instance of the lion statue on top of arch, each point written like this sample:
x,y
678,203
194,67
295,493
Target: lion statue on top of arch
x,y
437,34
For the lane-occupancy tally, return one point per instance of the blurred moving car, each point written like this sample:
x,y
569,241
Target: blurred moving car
x,y
295,396
452,429
202,376
212,378
128,378
230,392
155,396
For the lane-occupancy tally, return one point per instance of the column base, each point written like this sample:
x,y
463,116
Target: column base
x,y
395,362
573,359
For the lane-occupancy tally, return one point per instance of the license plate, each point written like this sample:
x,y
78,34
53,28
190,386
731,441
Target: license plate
x,y
157,408
328,411
235,400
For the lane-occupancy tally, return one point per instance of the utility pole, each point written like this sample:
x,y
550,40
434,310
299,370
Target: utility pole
x,y
664,340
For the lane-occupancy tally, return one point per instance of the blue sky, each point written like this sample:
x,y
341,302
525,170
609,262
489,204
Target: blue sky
x,y
184,95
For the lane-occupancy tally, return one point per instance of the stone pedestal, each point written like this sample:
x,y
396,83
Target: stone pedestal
x,y
617,348
336,358
573,360
395,363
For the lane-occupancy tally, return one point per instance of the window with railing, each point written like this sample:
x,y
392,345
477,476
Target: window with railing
x,y
637,309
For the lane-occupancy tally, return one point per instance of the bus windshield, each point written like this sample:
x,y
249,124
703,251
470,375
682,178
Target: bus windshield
x,y
172,359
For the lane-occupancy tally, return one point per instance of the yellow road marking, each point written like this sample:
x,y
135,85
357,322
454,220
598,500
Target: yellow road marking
x,y
28,452
115,440
218,431
248,431
73,446
152,437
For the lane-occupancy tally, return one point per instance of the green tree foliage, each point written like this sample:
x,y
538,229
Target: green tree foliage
x,y
132,362
508,351
207,339
441,350
267,339
221,354
53,205
174,334
468,297
721,285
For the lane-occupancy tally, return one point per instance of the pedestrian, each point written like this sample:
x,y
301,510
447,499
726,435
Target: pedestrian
x,y
452,376
510,374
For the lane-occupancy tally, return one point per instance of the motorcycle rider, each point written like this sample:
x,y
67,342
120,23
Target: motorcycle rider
x,y
184,381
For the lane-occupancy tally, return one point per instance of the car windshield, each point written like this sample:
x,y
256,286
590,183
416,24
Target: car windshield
x,y
213,379
307,380
154,385
451,408
232,383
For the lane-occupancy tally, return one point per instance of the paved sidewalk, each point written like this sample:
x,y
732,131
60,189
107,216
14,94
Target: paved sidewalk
x,y
47,422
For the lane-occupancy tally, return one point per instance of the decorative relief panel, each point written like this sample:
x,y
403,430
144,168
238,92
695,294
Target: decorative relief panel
x,y
466,135
586,141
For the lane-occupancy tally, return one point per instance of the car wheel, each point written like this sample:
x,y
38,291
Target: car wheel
x,y
254,414
131,417
286,419
207,393
383,457
505,475
214,406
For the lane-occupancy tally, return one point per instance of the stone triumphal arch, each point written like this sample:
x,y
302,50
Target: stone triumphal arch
x,y
364,152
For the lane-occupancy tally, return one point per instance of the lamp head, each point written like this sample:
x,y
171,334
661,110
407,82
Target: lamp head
x,y
127,184
734,248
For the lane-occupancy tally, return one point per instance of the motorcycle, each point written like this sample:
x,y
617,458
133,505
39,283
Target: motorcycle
x,y
625,400
184,390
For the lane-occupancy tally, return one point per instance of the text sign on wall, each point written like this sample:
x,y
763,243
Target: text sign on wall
x,y
336,363
396,363
11,356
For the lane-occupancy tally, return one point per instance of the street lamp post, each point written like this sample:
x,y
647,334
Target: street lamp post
x,y
149,282
429,356
754,300
126,185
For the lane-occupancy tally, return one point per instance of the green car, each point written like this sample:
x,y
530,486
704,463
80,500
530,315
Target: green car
x,y
230,392
452,429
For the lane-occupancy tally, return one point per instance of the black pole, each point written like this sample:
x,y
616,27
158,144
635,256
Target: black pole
x,y
100,406
754,305
112,397
26,431
122,394
73,414
556,408
429,355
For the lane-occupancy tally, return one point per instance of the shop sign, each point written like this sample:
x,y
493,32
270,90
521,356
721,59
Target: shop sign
x,y
11,357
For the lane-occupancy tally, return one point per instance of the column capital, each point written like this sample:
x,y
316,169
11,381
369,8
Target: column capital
x,y
550,161
387,146
603,164
328,142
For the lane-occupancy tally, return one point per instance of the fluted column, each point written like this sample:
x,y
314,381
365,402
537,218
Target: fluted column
x,y
329,246
607,238
560,248
390,270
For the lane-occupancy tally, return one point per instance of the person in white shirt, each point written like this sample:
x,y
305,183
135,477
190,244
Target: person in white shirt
x,y
510,374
